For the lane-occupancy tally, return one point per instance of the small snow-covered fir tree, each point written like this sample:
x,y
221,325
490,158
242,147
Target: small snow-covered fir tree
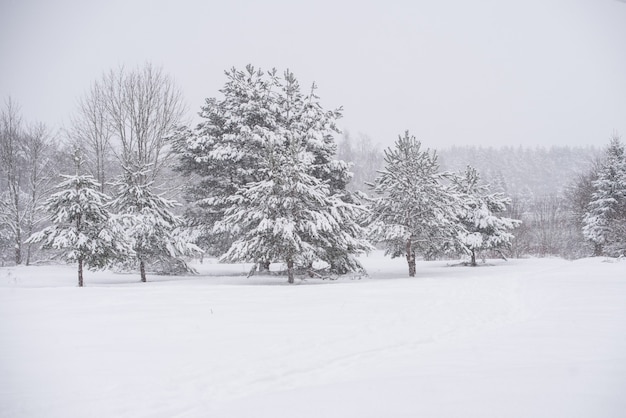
x,y
225,152
604,224
149,224
82,226
415,212
483,228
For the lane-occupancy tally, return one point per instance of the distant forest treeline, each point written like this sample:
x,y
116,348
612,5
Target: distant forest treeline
x,y
516,171
521,171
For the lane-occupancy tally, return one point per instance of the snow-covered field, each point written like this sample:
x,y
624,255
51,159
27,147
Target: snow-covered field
x,y
523,338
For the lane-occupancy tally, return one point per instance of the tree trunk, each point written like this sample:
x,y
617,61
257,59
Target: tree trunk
x,y
80,272
18,228
31,228
264,266
597,250
290,270
142,270
410,258
28,252
473,262
18,250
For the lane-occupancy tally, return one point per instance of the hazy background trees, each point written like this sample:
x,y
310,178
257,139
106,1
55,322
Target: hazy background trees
x,y
26,154
12,165
91,131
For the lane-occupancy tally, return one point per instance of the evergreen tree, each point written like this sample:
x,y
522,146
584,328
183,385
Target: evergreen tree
x,y
483,228
223,151
578,196
82,226
154,232
292,216
262,118
415,212
604,223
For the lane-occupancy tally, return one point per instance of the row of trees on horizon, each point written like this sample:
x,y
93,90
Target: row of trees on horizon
x,y
263,180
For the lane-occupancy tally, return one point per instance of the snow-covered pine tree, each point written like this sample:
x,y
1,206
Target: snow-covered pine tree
x,y
82,226
604,223
483,226
415,212
261,114
154,232
222,153
291,215
306,124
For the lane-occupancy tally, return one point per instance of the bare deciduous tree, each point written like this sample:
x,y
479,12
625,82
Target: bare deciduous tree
x,y
37,150
91,131
11,209
25,165
143,109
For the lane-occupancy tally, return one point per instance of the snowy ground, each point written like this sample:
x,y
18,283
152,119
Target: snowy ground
x,y
524,338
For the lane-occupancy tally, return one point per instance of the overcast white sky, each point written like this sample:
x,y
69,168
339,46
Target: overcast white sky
x,y
527,72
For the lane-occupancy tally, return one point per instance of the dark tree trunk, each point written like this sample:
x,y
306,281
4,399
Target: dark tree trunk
x,y
18,254
31,227
339,269
597,250
80,272
290,270
410,258
473,262
142,270
28,252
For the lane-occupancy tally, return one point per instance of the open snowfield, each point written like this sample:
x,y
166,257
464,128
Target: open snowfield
x,y
523,338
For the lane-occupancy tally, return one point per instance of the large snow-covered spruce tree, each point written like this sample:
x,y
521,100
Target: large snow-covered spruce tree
x,y
222,152
262,132
604,224
483,226
415,210
82,227
150,226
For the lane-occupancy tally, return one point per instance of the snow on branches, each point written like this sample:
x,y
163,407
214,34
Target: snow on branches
x,y
414,211
269,187
82,227
483,228
150,227
417,209
604,223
